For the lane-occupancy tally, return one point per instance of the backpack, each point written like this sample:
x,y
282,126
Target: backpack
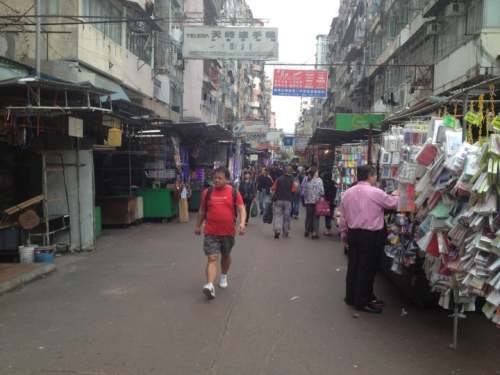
x,y
235,196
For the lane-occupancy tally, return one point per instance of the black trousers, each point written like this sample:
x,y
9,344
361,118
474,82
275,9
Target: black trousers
x,y
312,221
365,250
248,206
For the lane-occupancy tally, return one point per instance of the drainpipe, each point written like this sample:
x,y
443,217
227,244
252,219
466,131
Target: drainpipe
x,y
38,38
78,193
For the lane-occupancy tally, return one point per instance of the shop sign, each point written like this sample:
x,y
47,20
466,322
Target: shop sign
x,y
355,121
301,143
235,43
288,141
254,127
303,83
75,127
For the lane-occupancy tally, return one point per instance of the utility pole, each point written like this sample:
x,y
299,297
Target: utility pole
x,y
38,38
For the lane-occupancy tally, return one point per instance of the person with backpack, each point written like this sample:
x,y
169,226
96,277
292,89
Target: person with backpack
x,y
220,206
247,191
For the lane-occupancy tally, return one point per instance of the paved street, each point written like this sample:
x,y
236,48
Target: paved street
x,y
136,307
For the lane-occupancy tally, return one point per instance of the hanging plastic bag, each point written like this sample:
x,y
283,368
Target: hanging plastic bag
x,y
254,212
323,208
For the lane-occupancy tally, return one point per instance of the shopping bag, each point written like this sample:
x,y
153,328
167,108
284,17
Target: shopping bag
x,y
254,211
268,214
323,208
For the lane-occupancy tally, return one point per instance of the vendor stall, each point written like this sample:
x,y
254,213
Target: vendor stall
x,y
448,226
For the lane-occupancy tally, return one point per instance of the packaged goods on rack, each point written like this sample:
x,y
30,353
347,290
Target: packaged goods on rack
x,y
347,158
450,194
397,157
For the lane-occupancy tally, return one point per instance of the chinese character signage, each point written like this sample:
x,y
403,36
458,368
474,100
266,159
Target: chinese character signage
x,y
243,43
304,83
350,121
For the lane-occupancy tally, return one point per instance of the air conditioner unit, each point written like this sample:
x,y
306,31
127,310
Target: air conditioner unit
x,y
433,28
455,9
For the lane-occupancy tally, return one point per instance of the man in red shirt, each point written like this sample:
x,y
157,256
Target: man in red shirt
x,y
218,209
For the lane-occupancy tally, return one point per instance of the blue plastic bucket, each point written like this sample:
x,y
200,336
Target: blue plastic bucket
x,y
44,257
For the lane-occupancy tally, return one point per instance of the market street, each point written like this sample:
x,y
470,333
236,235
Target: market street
x,y
135,307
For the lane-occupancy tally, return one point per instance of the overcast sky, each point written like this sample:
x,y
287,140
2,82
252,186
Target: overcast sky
x,y
299,21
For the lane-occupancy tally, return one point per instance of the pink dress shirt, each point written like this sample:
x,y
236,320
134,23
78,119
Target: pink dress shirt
x,y
362,207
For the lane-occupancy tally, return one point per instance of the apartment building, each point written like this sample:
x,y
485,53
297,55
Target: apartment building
x,y
97,45
320,63
393,54
229,91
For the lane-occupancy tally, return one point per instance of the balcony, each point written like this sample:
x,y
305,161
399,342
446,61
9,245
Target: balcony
x,y
433,7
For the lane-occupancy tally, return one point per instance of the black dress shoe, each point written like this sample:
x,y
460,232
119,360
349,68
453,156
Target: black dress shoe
x,y
306,234
370,309
276,235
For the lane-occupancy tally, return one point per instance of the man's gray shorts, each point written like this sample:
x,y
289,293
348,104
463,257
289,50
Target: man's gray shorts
x,y
214,245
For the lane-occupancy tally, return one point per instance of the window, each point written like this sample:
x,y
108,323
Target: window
x,y
50,7
105,8
474,17
491,13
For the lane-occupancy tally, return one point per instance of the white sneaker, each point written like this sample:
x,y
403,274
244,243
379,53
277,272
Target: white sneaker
x,y
223,281
209,291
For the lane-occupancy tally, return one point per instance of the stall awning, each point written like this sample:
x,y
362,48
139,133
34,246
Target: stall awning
x,y
99,81
10,70
333,137
195,132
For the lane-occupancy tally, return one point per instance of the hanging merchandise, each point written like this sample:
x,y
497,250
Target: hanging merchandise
x,y
451,190
348,158
176,151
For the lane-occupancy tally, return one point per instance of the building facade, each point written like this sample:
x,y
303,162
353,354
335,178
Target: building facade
x,y
390,55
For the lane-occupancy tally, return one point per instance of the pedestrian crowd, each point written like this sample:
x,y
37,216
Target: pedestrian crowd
x,y
276,194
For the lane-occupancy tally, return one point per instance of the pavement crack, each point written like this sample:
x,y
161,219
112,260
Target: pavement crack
x,y
212,370
269,356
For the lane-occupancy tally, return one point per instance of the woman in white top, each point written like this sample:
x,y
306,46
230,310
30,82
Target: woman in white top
x,y
313,191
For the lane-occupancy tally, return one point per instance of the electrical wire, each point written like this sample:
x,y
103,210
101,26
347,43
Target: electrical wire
x,y
110,20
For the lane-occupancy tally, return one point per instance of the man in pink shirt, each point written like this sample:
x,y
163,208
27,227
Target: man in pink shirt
x,y
362,227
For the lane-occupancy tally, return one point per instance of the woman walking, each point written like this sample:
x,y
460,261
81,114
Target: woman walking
x,y
247,191
313,191
330,195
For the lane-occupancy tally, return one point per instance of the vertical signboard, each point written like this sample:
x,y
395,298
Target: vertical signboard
x,y
303,83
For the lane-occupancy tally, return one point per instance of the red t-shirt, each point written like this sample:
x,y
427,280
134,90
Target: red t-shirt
x,y
220,220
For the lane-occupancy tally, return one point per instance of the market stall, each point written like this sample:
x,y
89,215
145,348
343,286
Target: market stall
x,y
448,225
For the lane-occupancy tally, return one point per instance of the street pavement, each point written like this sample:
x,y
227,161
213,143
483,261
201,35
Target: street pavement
x,y
135,307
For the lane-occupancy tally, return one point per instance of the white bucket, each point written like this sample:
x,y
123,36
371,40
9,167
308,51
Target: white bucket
x,y
26,254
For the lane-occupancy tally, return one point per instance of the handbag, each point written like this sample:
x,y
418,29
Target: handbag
x,y
323,208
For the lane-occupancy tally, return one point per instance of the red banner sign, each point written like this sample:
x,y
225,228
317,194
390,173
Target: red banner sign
x,y
309,83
